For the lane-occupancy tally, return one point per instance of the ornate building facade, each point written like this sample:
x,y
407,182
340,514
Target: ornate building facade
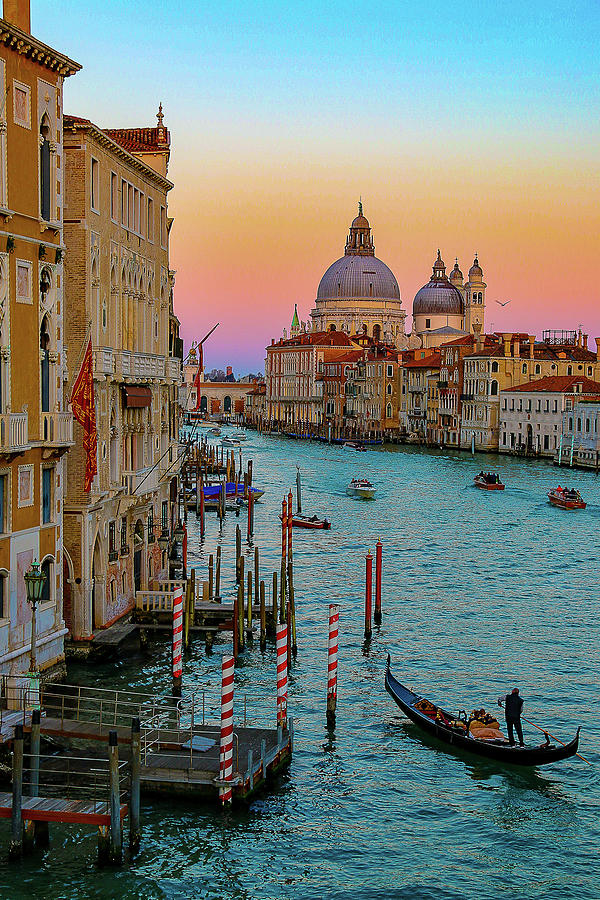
x,y
120,286
359,294
445,308
36,429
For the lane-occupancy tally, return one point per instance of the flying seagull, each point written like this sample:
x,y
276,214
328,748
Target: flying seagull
x,y
506,302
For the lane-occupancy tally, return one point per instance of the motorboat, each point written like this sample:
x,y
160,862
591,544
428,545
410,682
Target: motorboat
x,y
566,498
488,481
361,488
238,436
352,445
230,442
215,431
300,521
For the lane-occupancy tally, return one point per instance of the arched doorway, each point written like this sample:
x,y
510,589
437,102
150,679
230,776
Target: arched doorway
x,y
227,404
67,581
203,403
529,437
138,547
97,586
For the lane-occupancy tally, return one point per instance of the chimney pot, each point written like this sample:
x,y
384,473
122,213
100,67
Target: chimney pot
x,y
18,13
598,349
585,341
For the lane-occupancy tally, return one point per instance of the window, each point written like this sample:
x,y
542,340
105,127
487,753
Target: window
x,y
529,406
95,185
48,587
538,369
112,540
389,388
589,371
390,371
427,323
114,196
47,495
504,403
587,426
164,521
150,526
569,370
123,532
546,442
4,501
494,366
163,227
494,389
124,218
45,195
4,598
22,104
524,370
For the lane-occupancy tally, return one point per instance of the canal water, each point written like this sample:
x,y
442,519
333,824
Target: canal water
x,y
481,592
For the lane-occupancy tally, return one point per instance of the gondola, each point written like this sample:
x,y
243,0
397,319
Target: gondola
x,y
518,756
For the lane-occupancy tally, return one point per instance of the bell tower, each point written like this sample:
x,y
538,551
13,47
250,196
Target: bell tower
x,y
475,297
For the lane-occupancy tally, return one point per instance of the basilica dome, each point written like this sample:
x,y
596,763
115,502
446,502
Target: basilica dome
x,y
438,297
359,274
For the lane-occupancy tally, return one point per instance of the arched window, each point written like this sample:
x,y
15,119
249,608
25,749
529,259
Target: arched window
x,y
203,403
538,369
494,388
4,595
45,364
389,388
377,332
45,210
48,587
524,370
389,411
569,370
227,404
332,327
494,366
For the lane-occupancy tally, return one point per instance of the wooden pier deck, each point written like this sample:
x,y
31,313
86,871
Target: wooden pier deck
x,y
54,809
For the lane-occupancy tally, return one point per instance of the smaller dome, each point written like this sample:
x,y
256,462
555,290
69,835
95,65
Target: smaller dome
x,y
475,271
360,222
456,274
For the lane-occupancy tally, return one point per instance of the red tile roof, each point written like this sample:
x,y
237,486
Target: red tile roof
x,y
315,338
433,361
558,384
140,140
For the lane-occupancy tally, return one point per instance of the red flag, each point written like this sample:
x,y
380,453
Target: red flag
x,y
84,410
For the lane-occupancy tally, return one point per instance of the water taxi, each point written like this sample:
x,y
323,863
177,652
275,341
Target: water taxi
x,y
361,488
230,442
238,436
566,498
300,521
352,445
488,481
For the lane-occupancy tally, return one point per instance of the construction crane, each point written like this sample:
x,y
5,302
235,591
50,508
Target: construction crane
x,y
198,346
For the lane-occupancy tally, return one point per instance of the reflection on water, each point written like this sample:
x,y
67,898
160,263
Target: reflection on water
x,y
481,592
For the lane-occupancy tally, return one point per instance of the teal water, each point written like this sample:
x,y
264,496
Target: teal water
x,y
482,591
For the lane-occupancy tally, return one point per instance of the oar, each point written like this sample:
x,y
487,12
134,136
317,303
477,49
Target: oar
x,y
546,732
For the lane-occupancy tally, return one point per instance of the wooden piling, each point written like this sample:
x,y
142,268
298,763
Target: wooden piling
x,y
240,622
198,492
218,576
116,847
192,609
210,578
249,473
256,577
274,603
292,603
288,617
249,609
238,552
201,508
16,843
290,519
368,594
135,831
263,618
378,573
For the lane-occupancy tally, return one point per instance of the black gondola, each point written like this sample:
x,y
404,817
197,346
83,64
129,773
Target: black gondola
x,y
518,756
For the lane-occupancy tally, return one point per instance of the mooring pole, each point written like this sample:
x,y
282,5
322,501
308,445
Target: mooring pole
x,y
135,831
218,576
115,799
238,551
292,603
201,508
249,611
16,843
290,521
210,578
226,742
256,578
274,603
40,829
241,638
334,615
177,641
378,571
368,594
263,618
282,675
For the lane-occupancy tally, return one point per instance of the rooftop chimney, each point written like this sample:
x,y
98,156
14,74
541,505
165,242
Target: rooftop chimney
x,y
229,370
477,333
17,12
598,349
531,339
585,340
506,338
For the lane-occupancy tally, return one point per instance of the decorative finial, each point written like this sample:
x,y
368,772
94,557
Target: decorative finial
x,y
159,115
360,212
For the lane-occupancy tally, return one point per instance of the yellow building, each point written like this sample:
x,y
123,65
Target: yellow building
x,y
35,427
119,284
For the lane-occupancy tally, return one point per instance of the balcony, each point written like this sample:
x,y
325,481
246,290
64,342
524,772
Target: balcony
x,y
141,366
466,398
14,436
417,389
104,361
140,482
56,429
442,384
174,368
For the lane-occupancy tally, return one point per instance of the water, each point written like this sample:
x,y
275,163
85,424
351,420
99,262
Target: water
x,y
482,591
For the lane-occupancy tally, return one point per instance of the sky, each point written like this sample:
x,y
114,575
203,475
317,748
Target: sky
x,y
471,127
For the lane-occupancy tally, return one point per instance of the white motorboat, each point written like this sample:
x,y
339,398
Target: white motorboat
x,y
361,488
238,436
230,442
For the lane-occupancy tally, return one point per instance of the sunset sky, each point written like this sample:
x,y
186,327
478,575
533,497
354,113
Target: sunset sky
x,y
471,127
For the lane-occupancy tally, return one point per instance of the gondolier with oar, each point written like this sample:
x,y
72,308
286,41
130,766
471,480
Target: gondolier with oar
x,y
513,704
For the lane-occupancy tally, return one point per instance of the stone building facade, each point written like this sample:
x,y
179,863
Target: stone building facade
x,y
36,428
120,286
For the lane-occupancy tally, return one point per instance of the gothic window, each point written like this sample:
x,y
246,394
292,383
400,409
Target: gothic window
x,y
494,366
48,586
538,369
45,364
569,370
45,169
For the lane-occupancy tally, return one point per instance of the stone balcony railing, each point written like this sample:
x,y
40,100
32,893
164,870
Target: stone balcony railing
x,y
141,366
14,435
104,361
142,481
56,429
174,368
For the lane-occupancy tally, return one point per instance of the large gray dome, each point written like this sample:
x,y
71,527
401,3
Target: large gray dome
x,y
438,299
358,277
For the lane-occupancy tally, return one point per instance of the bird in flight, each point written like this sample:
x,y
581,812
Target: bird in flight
x,y
506,302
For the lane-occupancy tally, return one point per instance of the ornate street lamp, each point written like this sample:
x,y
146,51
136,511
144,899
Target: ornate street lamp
x,y
163,541
34,585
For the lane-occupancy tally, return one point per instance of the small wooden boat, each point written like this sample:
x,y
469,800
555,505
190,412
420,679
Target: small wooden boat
x,y
238,436
361,488
352,445
300,521
229,442
215,431
485,482
444,726
566,498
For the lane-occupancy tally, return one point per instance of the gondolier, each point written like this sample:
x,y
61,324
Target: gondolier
x,y
513,704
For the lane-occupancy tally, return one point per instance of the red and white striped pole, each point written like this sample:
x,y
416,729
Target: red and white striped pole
x,y
332,661
177,640
368,595
226,746
284,529
282,674
378,569
290,521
